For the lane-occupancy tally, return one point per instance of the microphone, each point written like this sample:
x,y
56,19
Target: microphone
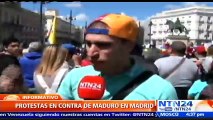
x,y
91,88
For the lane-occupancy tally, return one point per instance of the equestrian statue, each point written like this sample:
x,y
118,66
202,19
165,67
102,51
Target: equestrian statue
x,y
177,25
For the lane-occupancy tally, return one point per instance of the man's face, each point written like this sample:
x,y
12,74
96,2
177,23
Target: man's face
x,y
104,51
13,48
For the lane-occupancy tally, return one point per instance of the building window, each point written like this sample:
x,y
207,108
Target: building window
x,y
200,31
208,26
201,23
210,29
7,16
13,20
189,21
209,18
28,28
19,19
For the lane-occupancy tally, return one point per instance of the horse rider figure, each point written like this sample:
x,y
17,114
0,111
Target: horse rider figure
x,y
176,25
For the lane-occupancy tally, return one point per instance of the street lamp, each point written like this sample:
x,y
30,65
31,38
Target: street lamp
x,y
85,24
150,31
141,34
71,18
84,41
139,25
41,22
85,27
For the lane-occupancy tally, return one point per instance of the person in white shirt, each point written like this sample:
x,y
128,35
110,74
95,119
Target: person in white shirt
x,y
52,69
184,75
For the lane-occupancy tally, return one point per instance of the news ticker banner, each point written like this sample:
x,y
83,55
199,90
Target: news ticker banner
x,y
54,103
51,103
52,106
106,114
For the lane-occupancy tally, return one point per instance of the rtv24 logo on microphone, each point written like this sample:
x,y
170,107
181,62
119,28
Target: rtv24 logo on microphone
x,y
175,105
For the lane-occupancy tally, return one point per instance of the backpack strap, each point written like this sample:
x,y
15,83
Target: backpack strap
x,y
132,85
174,69
58,79
43,84
56,82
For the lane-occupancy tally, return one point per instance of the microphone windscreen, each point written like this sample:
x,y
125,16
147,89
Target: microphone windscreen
x,y
91,87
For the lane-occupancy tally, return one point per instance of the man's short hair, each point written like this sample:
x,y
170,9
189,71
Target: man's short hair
x,y
35,47
120,26
178,47
10,40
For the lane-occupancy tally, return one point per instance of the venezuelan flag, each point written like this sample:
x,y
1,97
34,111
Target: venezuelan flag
x,y
52,37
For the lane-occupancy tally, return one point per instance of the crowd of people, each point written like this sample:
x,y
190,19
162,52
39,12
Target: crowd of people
x,y
112,52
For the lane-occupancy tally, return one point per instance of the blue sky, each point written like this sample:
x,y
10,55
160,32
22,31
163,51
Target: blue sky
x,y
88,11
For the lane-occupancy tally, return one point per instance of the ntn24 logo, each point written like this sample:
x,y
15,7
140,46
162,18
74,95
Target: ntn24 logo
x,y
185,105
177,103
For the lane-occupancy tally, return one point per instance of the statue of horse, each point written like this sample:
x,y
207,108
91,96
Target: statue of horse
x,y
176,25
